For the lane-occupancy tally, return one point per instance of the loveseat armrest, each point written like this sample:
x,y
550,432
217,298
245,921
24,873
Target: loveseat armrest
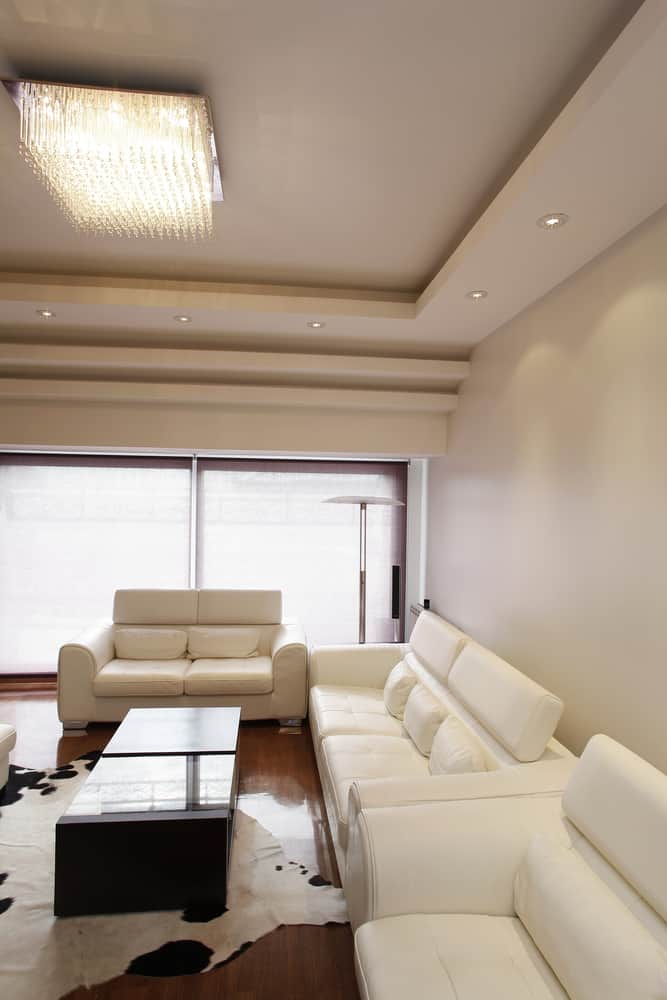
x,y
444,857
289,656
366,665
78,662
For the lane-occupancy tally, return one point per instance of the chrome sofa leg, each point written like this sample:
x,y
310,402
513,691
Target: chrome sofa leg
x,y
74,727
290,723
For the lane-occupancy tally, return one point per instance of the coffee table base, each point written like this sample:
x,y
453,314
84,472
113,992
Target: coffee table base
x,y
152,862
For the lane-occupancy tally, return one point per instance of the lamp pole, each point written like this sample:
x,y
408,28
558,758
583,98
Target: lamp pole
x,y
363,503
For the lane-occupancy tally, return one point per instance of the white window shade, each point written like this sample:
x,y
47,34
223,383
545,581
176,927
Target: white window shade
x,y
265,524
72,530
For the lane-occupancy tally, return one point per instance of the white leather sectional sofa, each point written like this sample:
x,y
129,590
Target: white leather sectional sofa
x,y
450,696
518,898
185,647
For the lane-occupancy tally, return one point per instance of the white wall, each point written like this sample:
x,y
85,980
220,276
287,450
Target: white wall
x,y
548,515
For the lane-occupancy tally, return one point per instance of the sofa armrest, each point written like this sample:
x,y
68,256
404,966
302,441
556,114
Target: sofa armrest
x,y
289,655
78,662
366,665
541,778
445,857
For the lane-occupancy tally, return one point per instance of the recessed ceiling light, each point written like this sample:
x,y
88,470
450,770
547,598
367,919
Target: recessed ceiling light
x,y
477,294
183,319
553,220
315,325
46,313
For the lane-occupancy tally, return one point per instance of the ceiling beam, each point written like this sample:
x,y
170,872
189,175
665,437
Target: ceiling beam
x,y
65,390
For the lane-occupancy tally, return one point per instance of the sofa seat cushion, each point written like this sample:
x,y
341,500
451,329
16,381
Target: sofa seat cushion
x,y
354,711
252,675
451,957
139,678
346,758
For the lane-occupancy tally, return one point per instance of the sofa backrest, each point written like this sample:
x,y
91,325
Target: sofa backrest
x,y
436,644
197,607
240,607
521,714
619,803
155,607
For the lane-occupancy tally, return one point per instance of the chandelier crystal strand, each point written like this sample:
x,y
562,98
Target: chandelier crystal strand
x,y
122,163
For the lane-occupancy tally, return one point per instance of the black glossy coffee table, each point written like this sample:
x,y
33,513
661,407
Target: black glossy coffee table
x,y
152,827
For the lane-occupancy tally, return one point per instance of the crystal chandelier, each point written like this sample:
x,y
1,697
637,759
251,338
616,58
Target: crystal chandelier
x,y
122,163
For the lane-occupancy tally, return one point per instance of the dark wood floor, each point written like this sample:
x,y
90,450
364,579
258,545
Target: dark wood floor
x,y
280,787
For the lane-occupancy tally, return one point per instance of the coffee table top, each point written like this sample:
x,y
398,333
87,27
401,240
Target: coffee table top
x,y
156,785
175,731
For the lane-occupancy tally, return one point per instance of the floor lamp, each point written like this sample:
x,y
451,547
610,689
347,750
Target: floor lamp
x,y
363,503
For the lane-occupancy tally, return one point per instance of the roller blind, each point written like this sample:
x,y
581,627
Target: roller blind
x,y
264,524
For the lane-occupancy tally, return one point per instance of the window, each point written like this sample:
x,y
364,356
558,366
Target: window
x,y
73,529
265,525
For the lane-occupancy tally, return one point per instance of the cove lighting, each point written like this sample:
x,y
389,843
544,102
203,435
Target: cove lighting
x,y
121,162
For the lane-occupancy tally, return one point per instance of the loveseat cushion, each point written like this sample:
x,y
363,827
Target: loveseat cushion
x,y
436,644
7,738
252,675
356,711
140,678
591,940
155,607
422,718
150,643
455,750
347,758
209,642
240,607
518,712
451,957
397,688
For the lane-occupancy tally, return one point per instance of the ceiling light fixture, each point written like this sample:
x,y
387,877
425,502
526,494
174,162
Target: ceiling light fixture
x,y
120,162
183,319
477,294
553,220
46,313
316,325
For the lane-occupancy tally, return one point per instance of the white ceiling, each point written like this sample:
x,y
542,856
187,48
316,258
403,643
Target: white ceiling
x,y
380,159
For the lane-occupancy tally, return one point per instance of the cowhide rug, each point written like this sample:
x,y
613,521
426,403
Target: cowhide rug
x,y
44,957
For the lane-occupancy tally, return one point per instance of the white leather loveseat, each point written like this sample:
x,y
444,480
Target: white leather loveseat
x,y
185,647
7,744
533,898
450,696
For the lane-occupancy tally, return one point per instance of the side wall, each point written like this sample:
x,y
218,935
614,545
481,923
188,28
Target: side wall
x,y
548,515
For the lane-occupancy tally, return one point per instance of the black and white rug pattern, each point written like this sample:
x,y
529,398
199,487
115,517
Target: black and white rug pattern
x,y
45,957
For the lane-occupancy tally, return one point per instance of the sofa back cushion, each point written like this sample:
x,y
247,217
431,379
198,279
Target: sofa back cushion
x,y
455,750
422,717
226,642
594,944
397,688
155,607
436,644
150,643
619,803
240,607
521,714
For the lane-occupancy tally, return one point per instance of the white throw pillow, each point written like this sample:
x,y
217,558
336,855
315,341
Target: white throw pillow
x,y
397,688
150,643
233,643
593,943
455,750
422,718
